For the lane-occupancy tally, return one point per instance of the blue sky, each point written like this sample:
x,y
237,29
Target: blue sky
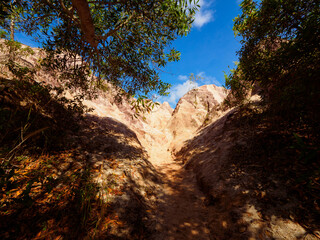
x,y
207,51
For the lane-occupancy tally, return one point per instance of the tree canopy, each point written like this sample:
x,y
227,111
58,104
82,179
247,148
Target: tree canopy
x,y
123,42
280,53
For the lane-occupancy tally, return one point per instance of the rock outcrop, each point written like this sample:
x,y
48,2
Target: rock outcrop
x,y
191,112
162,131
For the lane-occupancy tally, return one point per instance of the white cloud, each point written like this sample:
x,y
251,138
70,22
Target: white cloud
x,y
179,90
202,18
204,15
182,77
201,78
206,80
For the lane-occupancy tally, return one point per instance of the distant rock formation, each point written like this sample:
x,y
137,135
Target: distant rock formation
x,y
164,130
191,111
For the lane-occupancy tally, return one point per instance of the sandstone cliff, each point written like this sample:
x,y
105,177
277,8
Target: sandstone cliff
x,y
191,112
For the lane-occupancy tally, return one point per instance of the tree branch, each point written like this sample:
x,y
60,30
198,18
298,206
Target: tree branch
x,y
86,22
113,31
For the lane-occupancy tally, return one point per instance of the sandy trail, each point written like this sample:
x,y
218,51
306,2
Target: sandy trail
x,y
181,212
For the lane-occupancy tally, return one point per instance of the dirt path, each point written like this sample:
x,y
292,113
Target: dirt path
x,y
181,212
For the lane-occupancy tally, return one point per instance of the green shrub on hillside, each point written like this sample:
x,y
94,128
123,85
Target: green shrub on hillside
x,y
280,53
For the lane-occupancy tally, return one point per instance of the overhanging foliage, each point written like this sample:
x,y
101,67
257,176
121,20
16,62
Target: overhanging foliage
x,y
123,42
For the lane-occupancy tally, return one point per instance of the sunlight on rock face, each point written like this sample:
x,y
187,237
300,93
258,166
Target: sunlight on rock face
x,y
276,228
286,229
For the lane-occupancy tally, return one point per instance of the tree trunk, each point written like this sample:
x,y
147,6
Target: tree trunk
x,y
12,23
11,52
87,25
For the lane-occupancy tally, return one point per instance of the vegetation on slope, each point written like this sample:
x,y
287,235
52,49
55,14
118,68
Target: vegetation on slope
x,y
279,61
33,124
280,55
64,174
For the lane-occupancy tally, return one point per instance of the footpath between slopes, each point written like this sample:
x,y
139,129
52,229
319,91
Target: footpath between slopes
x,y
213,190
180,212
241,201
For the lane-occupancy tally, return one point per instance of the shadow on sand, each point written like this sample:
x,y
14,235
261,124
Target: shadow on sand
x,y
248,174
86,190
